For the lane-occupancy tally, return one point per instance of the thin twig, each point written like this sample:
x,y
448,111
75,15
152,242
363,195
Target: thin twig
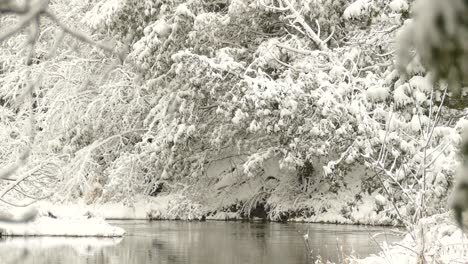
x,y
77,34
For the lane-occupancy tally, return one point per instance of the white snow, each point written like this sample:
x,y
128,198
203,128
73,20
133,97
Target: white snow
x,y
380,199
421,84
377,93
102,13
40,221
399,6
223,216
419,97
356,9
171,207
400,95
161,28
182,10
415,123
436,240
68,227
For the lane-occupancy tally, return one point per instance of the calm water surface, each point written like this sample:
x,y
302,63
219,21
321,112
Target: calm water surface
x,y
200,243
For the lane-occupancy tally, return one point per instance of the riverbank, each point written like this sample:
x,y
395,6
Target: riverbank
x,y
179,207
225,195
44,223
435,239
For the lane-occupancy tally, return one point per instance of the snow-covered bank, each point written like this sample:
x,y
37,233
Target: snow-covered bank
x,y
72,225
436,239
168,207
176,206
69,227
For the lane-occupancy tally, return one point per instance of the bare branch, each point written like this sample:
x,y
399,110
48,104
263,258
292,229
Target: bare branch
x,y
26,19
18,181
310,32
77,34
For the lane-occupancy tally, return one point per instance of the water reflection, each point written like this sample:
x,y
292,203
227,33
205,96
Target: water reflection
x,y
199,243
52,249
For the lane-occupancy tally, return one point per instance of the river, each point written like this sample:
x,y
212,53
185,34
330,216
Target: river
x,y
208,242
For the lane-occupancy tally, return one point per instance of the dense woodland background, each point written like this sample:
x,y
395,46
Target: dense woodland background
x,y
279,109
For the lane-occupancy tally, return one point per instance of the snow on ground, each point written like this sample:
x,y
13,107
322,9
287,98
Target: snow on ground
x,y
144,207
224,216
69,227
436,239
342,206
76,224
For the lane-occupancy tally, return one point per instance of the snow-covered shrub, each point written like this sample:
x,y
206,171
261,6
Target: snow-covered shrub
x,y
357,9
232,78
206,81
124,18
399,6
438,36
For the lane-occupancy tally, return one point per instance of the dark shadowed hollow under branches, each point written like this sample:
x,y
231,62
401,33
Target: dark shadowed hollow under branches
x,y
233,131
